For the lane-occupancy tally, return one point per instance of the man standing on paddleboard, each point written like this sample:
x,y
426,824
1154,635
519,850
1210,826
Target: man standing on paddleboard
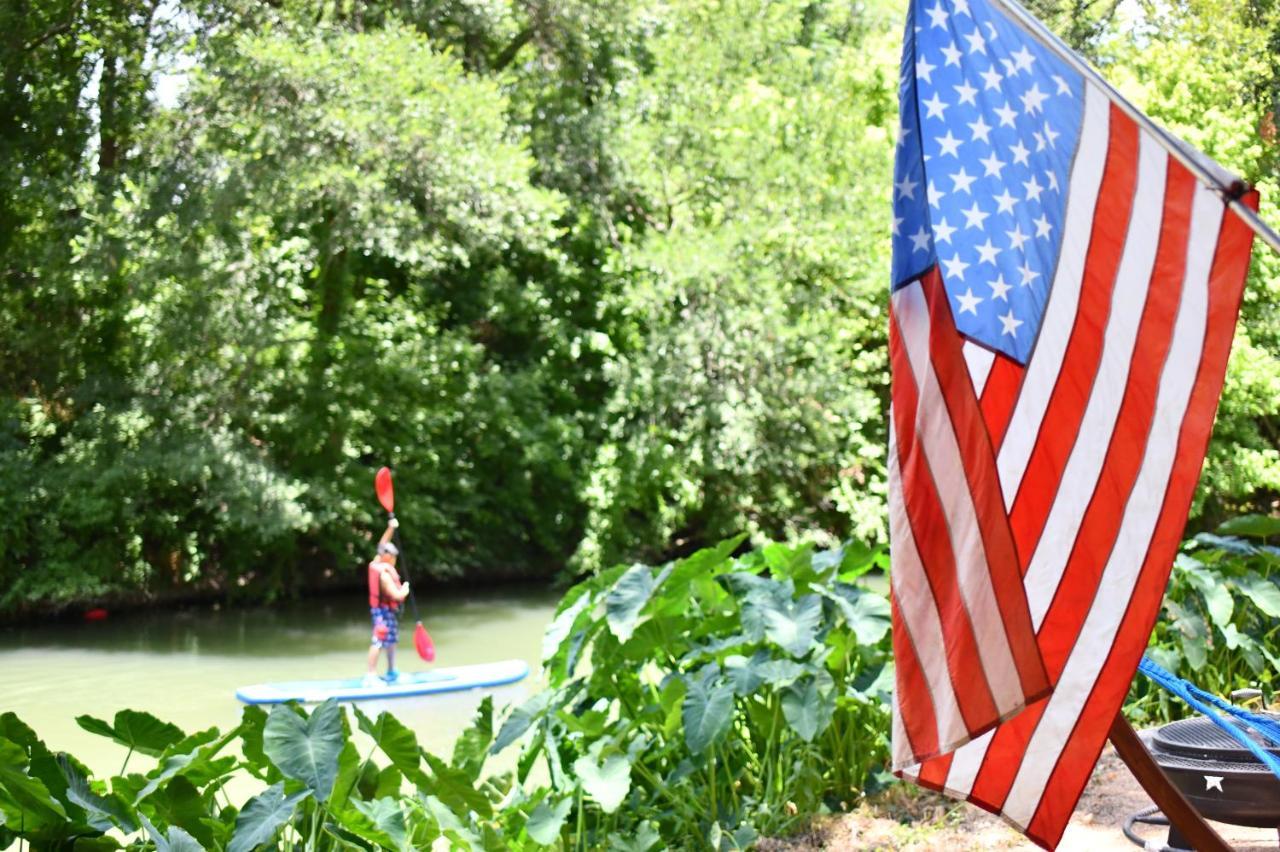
x,y
386,593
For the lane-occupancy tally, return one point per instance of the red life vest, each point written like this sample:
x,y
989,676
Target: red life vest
x,y
375,585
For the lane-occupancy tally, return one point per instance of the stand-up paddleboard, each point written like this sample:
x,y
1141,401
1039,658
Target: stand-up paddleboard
x,y
409,683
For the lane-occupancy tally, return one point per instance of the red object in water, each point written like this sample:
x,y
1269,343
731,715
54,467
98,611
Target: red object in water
x,y
386,493
422,642
95,614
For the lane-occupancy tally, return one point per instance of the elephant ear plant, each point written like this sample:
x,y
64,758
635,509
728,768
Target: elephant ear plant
x,y
716,698
1220,624
699,704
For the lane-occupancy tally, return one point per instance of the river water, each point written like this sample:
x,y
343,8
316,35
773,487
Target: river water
x,y
184,665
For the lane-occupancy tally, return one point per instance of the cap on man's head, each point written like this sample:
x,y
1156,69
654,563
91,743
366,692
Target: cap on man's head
x,y
388,547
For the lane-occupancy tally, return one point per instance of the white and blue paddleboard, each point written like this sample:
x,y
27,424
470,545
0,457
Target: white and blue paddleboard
x,y
410,683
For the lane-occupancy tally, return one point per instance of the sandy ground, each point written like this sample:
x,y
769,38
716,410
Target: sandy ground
x,y
911,820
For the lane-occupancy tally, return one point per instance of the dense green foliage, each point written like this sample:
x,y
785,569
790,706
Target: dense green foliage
x,y
602,281
697,706
1221,618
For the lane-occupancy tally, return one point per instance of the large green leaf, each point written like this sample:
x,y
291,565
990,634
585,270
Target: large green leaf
x,y
606,782
807,707
1258,526
396,741
707,711
262,817
455,788
135,730
104,812
562,625
790,624
627,599
472,747
546,821
306,749
866,613
386,817
1264,593
176,840
520,719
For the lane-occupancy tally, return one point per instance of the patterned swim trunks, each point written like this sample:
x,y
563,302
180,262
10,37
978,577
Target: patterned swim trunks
x,y
384,626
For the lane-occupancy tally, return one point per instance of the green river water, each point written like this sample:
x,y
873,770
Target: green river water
x,y
184,665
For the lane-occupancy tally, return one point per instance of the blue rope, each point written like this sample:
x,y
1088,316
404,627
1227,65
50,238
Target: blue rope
x,y
1204,702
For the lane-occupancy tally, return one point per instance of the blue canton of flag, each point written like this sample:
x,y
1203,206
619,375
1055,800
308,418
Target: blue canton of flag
x,y
990,121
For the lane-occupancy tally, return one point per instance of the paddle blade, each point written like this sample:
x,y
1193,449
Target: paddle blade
x,y
422,641
386,492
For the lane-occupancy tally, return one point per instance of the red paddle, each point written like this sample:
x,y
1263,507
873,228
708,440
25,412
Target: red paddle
x,y
387,497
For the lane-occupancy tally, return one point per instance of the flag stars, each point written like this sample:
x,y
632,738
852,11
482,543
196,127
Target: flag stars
x,y
1019,152
1063,88
1050,135
955,268
1005,201
1033,100
1042,226
992,165
962,180
961,7
977,44
1023,60
949,144
1033,188
1009,325
981,130
974,217
1039,137
925,69
969,302
991,79
966,93
906,187
1052,177
897,221
1006,115
935,107
1028,275
937,15
942,231
1017,239
935,195
920,240
1000,289
987,252
952,54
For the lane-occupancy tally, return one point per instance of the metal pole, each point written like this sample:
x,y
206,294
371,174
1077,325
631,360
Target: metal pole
x,y
1227,185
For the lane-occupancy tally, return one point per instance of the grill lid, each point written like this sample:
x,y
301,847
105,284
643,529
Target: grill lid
x,y
1201,739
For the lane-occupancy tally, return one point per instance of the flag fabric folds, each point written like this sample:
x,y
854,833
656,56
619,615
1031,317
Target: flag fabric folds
x,y
1063,302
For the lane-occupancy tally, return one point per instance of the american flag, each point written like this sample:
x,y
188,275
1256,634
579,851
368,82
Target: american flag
x,y
1065,289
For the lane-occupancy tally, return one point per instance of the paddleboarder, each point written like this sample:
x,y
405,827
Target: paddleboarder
x,y
386,593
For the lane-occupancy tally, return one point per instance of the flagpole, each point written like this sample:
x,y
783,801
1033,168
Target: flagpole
x,y
1226,184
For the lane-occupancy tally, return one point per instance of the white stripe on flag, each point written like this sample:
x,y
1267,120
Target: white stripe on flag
x,y
938,440
1084,465
1064,296
979,360
919,613
1141,513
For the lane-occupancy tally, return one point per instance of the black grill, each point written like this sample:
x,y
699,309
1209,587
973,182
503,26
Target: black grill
x,y
1220,777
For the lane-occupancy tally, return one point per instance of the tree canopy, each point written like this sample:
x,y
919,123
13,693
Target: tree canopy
x,y
600,281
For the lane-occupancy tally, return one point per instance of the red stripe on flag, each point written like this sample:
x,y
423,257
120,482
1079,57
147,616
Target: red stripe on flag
x,y
929,525
915,702
1102,518
933,773
1075,764
1061,422
984,486
999,396
1003,757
